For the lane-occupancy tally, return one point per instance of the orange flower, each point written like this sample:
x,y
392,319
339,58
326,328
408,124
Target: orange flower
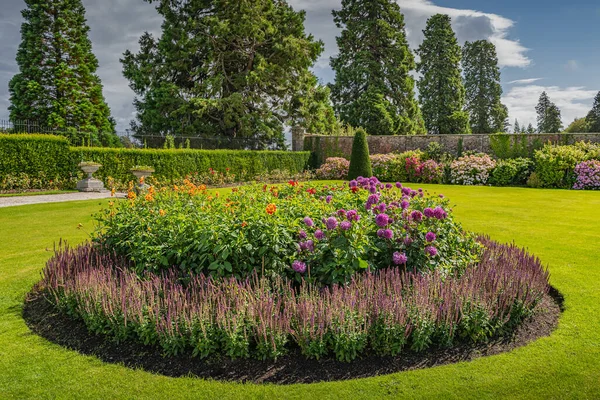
x,y
112,192
162,212
131,195
271,209
244,224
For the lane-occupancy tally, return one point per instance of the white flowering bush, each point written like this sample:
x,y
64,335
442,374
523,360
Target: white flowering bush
x,y
472,170
334,168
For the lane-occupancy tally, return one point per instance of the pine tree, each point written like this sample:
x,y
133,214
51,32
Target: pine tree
x,y
227,70
57,85
530,129
360,163
441,90
593,117
373,87
482,85
548,115
517,127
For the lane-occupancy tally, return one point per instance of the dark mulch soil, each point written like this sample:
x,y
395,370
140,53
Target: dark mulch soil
x,y
45,320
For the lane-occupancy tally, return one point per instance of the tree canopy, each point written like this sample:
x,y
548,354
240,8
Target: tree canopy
x,y
548,115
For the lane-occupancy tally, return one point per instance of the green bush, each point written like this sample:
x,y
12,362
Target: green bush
x,y
555,165
505,146
511,172
38,157
360,164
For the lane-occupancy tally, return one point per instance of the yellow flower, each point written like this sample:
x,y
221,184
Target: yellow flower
x,y
131,195
271,209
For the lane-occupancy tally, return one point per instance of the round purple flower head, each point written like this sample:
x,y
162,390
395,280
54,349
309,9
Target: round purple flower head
x,y
309,222
353,183
382,207
352,215
299,267
302,234
319,235
399,258
341,212
328,199
388,234
416,215
382,220
310,246
432,251
408,241
373,190
388,186
346,225
331,223
439,213
428,212
406,191
430,237
380,232
398,185
405,204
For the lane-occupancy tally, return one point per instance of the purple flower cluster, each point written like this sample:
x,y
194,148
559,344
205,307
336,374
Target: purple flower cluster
x,y
385,233
299,266
588,175
309,222
399,258
430,237
431,250
331,223
382,220
308,245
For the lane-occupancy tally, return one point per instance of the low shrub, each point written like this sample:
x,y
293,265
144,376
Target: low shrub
x,y
511,172
382,312
334,168
587,175
323,234
555,165
472,170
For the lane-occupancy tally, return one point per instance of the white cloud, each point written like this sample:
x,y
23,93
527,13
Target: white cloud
x,y
574,102
572,65
524,81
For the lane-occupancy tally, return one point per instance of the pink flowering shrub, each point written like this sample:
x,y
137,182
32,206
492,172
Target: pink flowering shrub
x,y
333,168
472,170
587,175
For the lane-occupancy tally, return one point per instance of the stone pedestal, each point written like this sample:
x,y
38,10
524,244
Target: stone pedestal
x,y
90,184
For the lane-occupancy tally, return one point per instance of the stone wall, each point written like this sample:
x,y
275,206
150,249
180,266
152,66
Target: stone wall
x,y
323,147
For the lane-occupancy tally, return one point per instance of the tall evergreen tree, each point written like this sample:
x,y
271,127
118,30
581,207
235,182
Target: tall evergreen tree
x,y
482,85
548,115
517,127
441,90
530,129
227,69
373,87
593,117
57,85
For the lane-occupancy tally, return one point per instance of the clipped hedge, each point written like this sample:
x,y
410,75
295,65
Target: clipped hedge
x,y
176,164
35,155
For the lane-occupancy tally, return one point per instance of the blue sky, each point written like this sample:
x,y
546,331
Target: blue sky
x,y
542,45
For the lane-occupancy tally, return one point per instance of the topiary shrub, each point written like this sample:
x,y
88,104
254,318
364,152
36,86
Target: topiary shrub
x,y
360,164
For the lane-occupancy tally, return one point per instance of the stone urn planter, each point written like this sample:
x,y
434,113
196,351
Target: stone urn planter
x,y
142,173
90,184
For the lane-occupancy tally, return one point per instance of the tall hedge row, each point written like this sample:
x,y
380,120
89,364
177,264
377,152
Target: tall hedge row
x,y
52,156
35,155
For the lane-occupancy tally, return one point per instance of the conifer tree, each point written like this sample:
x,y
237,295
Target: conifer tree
x,y
593,117
441,90
548,115
228,70
57,85
530,129
482,85
517,127
373,87
360,162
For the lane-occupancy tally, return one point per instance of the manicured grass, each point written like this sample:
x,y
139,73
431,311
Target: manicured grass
x,y
562,227
36,193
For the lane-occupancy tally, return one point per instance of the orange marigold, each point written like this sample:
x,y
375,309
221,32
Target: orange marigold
x,y
271,209
244,224
131,195
162,212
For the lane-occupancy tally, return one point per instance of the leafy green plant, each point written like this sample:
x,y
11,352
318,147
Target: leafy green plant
x,y
360,164
511,172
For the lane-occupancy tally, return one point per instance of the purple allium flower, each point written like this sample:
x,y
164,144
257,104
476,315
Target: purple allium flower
x,y
382,207
309,222
439,213
380,232
399,258
352,215
388,234
428,212
310,246
346,225
398,185
405,204
432,251
299,267
319,235
331,223
413,193
353,183
328,199
373,199
441,196
420,190
341,212
430,237
388,186
382,220
406,191
408,241
302,234
416,215
373,190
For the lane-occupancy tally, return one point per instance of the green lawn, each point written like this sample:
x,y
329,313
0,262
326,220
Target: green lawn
x,y
36,193
562,227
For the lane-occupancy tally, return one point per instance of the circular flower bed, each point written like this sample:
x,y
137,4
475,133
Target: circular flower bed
x,y
347,271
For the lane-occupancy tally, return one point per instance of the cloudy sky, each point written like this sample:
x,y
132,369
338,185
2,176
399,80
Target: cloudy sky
x,y
542,45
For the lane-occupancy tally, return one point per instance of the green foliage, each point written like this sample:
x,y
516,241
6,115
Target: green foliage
x,y
173,165
512,172
510,146
57,85
548,115
593,117
34,157
555,165
579,125
483,89
373,86
228,69
360,164
441,90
